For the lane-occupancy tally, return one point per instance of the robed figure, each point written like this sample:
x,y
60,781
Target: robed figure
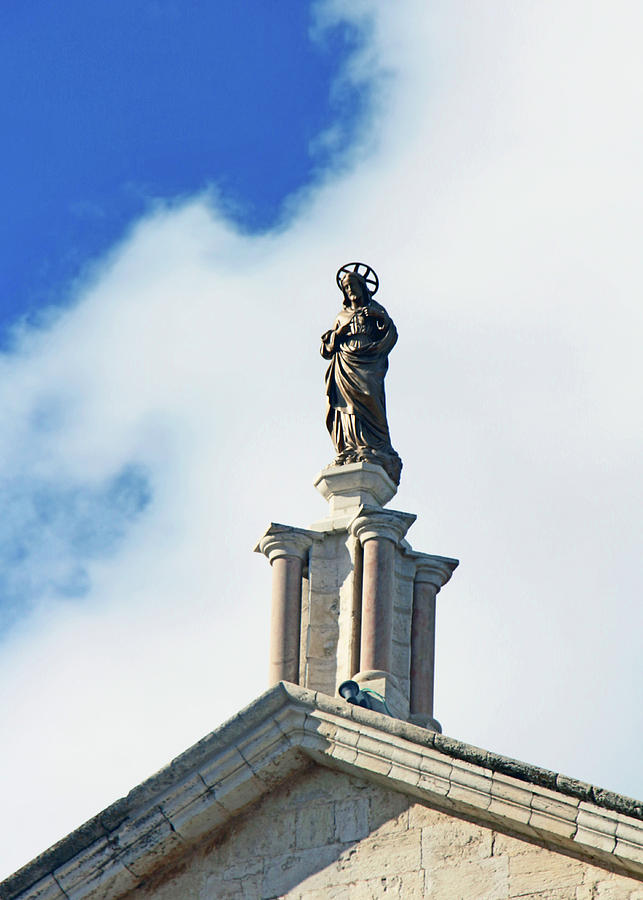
x,y
358,346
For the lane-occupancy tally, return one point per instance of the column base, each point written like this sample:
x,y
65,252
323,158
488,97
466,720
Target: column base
x,y
394,703
425,721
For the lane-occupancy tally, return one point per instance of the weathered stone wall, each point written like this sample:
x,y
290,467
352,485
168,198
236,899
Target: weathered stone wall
x,y
329,634
331,616
402,613
327,836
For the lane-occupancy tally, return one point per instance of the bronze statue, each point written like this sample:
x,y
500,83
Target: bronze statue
x,y
358,346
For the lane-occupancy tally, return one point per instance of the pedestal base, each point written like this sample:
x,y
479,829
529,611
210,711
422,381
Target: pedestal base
x,y
354,485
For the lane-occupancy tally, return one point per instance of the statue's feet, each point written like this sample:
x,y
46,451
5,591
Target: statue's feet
x,y
390,462
347,456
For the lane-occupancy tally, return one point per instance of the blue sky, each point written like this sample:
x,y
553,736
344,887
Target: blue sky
x,y
182,181
110,106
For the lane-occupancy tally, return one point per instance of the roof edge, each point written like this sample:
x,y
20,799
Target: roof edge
x,y
523,771
268,739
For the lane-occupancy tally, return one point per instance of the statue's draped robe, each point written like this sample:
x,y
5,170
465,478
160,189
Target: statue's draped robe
x,y
356,412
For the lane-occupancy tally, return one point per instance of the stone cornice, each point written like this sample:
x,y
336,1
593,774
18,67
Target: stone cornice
x,y
276,736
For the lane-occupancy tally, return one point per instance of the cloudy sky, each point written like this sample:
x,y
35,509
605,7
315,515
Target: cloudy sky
x,y
182,181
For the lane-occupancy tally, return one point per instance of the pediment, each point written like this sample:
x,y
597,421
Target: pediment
x,y
204,790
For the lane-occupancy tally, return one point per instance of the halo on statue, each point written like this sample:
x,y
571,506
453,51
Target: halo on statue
x,y
369,275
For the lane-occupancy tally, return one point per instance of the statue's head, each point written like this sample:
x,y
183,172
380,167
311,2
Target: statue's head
x,y
354,289
357,282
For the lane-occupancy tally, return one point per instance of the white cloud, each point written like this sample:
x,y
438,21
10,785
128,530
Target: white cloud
x,y
500,201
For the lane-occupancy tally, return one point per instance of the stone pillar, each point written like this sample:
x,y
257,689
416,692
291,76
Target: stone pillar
x,y
377,603
286,549
379,532
432,572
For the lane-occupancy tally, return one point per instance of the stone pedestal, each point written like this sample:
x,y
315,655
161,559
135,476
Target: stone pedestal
x,y
355,599
349,487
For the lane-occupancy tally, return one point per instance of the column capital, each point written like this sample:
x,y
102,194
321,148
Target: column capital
x,y
284,540
434,570
374,522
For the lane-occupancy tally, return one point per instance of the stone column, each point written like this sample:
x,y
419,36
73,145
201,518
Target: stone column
x,y
379,532
432,572
286,548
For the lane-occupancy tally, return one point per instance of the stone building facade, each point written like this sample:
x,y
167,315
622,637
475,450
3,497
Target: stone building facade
x,y
302,795
325,835
305,795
